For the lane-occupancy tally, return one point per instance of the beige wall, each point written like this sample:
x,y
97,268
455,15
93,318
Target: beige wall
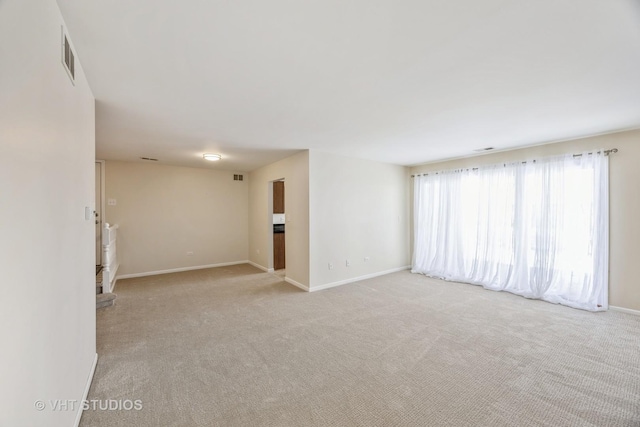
x,y
163,212
295,171
358,209
624,201
47,249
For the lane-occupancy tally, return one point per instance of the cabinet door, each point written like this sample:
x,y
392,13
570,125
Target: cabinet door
x,y
278,251
278,197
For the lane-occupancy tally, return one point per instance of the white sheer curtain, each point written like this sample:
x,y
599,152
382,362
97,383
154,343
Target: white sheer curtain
x,y
539,229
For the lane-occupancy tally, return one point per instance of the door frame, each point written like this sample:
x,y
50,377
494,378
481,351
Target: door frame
x,y
103,164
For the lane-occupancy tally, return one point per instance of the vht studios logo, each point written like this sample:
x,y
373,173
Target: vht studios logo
x,y
89,405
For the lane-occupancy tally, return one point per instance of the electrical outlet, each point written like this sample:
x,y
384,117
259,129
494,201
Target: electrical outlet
x,y
330,266
348,263
367,259
189,253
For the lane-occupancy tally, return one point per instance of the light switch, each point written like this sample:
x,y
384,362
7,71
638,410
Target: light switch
x,y
111,202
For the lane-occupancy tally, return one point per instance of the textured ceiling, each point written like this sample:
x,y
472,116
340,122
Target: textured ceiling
x,y
404,82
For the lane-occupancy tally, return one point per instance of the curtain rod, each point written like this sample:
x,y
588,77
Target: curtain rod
x,y
606,153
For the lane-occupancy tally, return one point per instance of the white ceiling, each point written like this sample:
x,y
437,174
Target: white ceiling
x,y
399,81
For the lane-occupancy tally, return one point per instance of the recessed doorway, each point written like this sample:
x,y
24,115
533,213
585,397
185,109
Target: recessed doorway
x,y
278,215
99,209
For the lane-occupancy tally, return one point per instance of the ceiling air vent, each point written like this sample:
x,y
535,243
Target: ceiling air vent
x,y
149,159
68,57
237,177
481,150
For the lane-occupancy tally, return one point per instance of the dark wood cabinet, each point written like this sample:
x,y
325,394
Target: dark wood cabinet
x,y
278,251
278,197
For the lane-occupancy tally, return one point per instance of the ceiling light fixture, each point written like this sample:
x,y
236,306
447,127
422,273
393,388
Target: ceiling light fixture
x,y
212,157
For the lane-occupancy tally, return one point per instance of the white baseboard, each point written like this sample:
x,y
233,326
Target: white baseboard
x,y
178,270
261,267
357,279
297,284
86,390
624,310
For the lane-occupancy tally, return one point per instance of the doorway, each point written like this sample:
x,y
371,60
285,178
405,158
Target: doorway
x,y
99,209
278,226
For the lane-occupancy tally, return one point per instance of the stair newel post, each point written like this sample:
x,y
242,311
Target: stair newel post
x,y
109,255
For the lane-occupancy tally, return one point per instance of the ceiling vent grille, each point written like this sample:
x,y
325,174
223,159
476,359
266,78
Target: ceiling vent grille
x,y
68,57
237,177
480,150
149,159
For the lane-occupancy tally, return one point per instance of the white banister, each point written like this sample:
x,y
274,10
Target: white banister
x,y
109,257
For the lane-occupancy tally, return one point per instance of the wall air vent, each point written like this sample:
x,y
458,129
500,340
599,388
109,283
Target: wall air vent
x,y
68,57
149,159
237,177
480,150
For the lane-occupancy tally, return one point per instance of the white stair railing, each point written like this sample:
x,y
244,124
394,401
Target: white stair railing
x,y
109,257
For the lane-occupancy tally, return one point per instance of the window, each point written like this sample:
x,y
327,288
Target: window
x,y
537,229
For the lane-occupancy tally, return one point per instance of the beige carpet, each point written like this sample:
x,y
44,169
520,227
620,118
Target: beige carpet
x,y
234,346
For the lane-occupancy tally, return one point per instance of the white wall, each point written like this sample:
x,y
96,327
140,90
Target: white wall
x,y
624,201
295,171
164,212
358,209
47,248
